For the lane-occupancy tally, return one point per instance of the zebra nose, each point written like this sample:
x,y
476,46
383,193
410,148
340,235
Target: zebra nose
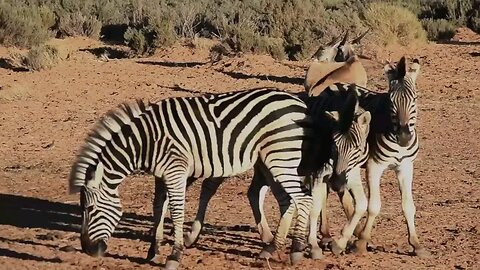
x,y
94,249
338,181
404,136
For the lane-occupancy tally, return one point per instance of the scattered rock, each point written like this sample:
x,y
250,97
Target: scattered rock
x,y
47,237
67,248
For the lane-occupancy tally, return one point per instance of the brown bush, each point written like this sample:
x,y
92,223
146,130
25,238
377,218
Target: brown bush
x,y
37,58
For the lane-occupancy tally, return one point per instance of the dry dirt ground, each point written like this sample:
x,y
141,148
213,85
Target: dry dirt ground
x,y
44,116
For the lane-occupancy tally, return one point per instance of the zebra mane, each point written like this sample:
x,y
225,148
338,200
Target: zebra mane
x,y
350,107
109,125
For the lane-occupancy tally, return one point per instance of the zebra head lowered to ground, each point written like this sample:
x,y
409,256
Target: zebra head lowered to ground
x,y
403,97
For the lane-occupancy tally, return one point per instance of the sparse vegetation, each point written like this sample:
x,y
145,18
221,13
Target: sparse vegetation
x,y
282,28
439,29
37,58
24,26
77,24
394,24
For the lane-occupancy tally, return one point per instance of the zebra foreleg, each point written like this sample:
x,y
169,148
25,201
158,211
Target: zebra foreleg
x,y
160,203
405,178
324,225
374,173
209,188
346,199
354,185
176,182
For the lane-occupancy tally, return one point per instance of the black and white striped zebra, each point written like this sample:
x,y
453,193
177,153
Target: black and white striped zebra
x,y
342,130
177,138
393,143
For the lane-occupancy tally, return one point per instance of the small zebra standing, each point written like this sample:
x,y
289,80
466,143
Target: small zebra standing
x,y
177,138
393,143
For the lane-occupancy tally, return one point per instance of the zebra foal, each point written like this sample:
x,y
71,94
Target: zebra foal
x,y
393,143
178,138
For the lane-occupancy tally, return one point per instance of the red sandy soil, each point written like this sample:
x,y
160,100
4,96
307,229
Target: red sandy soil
x,y
44,117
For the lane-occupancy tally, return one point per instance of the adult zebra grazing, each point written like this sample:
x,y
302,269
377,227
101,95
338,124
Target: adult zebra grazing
x,y
393,143
209,136
341,130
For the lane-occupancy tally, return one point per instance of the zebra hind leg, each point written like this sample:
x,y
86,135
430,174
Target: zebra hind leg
x,y
302,203
256,197
209,188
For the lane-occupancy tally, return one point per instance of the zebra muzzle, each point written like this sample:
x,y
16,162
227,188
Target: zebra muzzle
x,y
404,136
94,249
338,181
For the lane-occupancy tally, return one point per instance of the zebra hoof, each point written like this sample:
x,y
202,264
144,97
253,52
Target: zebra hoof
x,y
316,253
267,252
336,249
325,242
156,259
296,257
190,239
422,253
171,265
361,246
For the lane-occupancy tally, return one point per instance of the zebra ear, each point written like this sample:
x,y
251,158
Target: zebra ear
x,y
414,69
334,115
364,119
390,71
401,69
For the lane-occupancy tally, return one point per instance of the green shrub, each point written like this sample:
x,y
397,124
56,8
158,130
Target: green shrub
x,y
394,24
77,24
439,29
24,26
474,18
141,41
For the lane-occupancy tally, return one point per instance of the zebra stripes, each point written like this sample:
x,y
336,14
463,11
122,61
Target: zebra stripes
x,y
177,138
340,136
393,143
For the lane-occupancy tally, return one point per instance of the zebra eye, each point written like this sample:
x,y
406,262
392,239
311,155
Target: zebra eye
x,y
90,208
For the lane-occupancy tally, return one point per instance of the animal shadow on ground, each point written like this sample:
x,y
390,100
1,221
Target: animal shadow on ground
x,y
27,212
457,42
172,64
110,52
279,79
475,54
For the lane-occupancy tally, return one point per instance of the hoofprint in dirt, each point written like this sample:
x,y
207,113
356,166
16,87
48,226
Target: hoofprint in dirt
x,y
44,116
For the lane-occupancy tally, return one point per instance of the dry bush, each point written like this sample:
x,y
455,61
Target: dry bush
x,y
393,24
37,58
